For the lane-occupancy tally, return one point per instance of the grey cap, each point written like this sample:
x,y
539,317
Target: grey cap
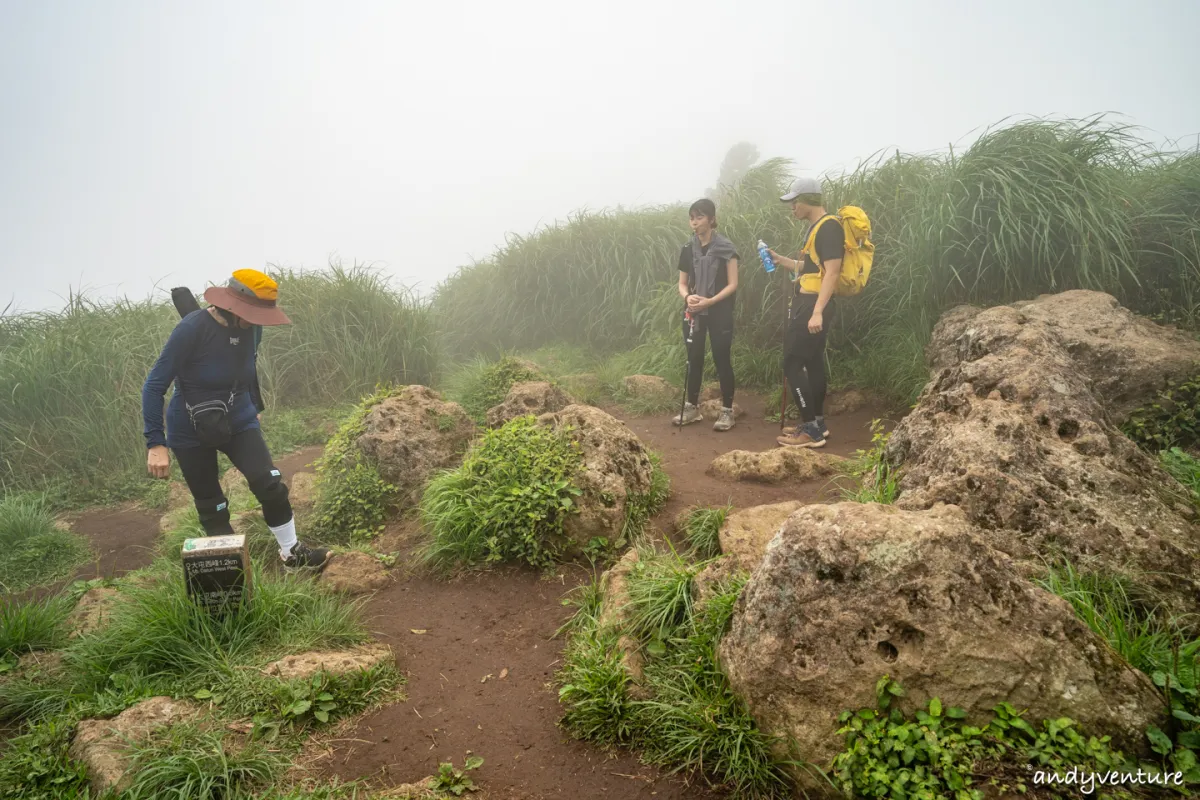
x,y
802,186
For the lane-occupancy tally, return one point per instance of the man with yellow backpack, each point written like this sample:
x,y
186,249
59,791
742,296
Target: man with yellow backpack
x,y
836,260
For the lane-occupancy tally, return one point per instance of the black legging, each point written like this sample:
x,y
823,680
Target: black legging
x,y
250,455
804,357
720,333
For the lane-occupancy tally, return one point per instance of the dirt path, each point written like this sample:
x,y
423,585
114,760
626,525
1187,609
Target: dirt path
x,y
481,625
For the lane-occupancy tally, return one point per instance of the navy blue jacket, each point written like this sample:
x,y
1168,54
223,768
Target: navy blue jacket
x,y
201,358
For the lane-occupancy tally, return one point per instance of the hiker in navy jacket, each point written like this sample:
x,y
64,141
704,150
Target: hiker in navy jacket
x,y
210,357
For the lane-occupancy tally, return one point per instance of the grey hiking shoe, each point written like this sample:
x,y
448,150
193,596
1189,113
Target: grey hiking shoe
x,y
724,421
306,558
690,414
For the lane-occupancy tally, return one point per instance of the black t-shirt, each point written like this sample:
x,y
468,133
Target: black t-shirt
x,y
830,244
685,265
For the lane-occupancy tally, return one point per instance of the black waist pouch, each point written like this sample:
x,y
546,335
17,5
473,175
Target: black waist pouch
x,y
212,421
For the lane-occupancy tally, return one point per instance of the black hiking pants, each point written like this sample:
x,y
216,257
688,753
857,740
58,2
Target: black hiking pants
x,y
719,330
804,357
248,452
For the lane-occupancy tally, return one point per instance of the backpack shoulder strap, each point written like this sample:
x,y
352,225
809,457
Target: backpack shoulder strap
x,y
812,238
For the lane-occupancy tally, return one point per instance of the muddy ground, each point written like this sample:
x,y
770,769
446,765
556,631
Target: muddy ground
x,y
480,676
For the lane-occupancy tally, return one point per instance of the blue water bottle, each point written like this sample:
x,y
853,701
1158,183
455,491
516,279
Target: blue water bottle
x,y
768,264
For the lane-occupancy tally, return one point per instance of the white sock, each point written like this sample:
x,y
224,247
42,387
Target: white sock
x,y
285,534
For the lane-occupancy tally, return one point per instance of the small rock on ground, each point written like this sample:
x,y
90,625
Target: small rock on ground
x,y
773,466
355,572
711,409
333,662
647,386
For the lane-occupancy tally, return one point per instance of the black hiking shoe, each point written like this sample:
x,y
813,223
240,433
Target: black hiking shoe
x,y
304,557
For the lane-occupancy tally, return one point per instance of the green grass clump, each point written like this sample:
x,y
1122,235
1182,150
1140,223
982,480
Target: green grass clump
x,y
639,508
33,625
877,481
689,717
352,498
507,501
1184,468
158,631
34,550
188,762
480,385
702,529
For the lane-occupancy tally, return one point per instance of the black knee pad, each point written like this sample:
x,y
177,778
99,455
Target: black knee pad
x,y
272,494
214,516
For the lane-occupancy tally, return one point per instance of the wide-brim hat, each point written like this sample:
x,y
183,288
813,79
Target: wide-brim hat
x,y
250,294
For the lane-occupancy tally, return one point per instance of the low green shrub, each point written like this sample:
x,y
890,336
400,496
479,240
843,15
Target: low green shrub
x,y
34,550
877,480
935,754
352,499
1171,420
37,766
481,384
507,501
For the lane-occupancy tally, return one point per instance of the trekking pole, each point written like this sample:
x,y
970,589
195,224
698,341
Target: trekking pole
x,y
687,370
783,398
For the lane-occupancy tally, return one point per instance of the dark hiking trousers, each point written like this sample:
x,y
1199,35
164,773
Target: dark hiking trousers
x,y
249,454
804,357
720,332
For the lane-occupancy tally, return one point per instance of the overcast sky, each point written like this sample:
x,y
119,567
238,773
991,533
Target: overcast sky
x,y
161,143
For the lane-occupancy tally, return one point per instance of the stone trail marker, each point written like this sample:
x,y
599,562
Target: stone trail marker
x,y
217,571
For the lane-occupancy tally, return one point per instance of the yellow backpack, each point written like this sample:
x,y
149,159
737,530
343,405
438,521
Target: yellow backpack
x,y
856,263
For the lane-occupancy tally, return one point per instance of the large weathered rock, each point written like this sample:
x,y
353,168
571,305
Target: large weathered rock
x,y
332,662
1017,428
616,466
849,592
780,465
530,397
102,745
354,572
1121,360
412,435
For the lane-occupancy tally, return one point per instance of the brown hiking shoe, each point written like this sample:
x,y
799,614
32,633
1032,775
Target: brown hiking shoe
x,y
808,435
